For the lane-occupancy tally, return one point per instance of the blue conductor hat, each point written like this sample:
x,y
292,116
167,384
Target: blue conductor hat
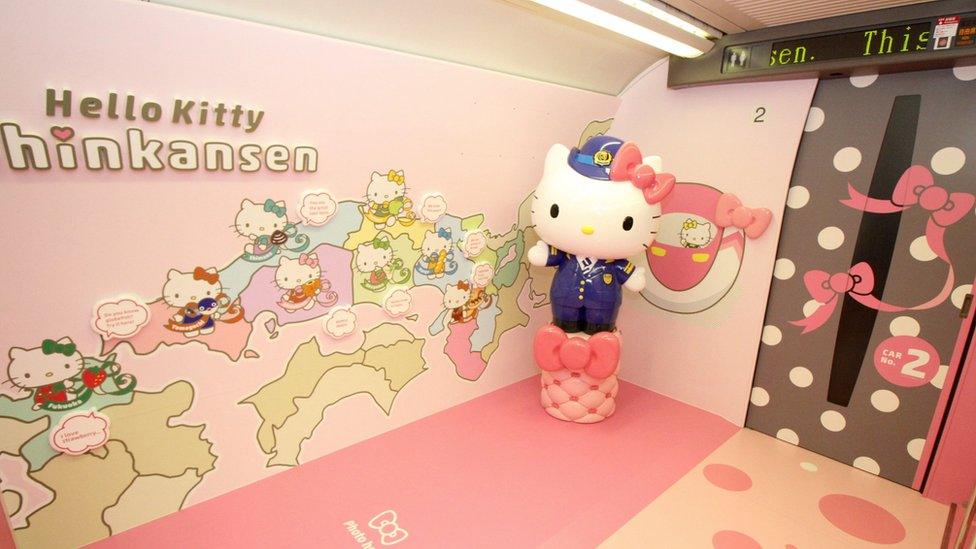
x,y
594,158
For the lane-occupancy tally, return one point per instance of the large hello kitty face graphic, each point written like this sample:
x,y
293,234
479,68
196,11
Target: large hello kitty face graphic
x,y
589,217
182,288
52,362
254,220
381,189
370,258
456,296
292,273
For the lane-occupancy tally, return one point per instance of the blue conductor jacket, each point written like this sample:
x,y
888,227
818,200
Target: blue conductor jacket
x,y
587,282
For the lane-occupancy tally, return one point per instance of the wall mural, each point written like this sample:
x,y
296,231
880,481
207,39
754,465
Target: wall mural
x,y
328,267
874,261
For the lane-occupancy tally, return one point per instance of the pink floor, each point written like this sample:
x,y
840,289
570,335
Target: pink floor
x,y
493,472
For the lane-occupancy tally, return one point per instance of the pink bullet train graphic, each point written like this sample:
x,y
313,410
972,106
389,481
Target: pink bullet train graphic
x,y
696,255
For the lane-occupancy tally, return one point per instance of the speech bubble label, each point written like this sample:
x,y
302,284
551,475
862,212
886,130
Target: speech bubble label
x,y
317,208
474,243
339,323
120,317
482,275
397,303
433,208
80,432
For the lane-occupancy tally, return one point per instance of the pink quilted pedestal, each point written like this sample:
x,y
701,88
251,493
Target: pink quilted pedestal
x,y
579,373
578,397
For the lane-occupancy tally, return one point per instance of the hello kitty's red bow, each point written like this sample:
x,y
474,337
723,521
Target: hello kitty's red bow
x,y
597,356
311,260
916,186
731,213
628,165
201,274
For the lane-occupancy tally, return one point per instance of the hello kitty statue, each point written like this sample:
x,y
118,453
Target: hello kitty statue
x,y
594,207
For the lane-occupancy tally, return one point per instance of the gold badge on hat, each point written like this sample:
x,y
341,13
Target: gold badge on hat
x,y
607,278
602,158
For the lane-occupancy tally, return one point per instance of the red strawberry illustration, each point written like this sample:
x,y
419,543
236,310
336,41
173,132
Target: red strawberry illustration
x,y
93,377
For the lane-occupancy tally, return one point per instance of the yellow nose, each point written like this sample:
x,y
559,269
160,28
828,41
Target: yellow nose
x,y
587,229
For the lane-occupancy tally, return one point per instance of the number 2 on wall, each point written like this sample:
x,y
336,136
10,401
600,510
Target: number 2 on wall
x,y
911,368
760,113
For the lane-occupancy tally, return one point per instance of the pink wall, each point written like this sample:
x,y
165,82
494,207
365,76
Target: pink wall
x,y
74,238
707,135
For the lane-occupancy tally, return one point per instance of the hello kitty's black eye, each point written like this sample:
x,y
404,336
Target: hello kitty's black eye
x,y
26,375
554,211
247,225
177,296
66,366
628,223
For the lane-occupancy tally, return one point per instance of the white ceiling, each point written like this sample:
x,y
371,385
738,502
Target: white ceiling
x,y
516,36
770,13
493,34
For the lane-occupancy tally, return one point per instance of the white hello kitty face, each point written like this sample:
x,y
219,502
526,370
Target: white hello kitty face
x,y
455,297
33,368
368,258
292,273
381,189
696,233
253,219
435,244
589,217
182,288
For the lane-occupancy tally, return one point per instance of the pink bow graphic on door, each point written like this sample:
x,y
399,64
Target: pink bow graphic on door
x,y
825,288
731,213
857,282
916,186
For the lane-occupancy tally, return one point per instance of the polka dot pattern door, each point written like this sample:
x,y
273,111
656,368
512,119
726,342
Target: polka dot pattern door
x,y
874,262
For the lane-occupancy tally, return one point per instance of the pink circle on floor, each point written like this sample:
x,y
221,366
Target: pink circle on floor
x,y
730,539
727,477
862,519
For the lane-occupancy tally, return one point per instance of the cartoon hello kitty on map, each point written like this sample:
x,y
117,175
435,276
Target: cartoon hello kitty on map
x,y
304,286
595,207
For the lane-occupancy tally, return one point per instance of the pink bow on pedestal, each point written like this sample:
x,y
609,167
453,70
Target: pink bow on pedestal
x,y
597,356
731,213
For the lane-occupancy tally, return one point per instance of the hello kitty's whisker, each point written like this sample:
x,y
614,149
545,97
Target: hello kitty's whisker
x,y
655,216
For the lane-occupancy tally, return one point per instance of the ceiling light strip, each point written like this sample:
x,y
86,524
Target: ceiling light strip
x,y
619,25
666,14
